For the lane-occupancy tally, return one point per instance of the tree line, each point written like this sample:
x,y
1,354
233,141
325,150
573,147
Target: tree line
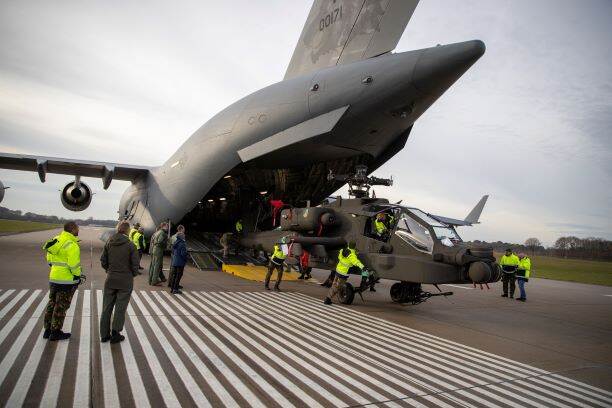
x,y
591,248
7,214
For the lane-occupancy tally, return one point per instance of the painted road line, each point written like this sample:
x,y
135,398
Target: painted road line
x,y
16,349
81,388
265,345
265,386
307,338
370,327
16,318
5,294
184,346
426,378
12,303
314,364
190,384
165,389
54,379
195,304
485,358
109,378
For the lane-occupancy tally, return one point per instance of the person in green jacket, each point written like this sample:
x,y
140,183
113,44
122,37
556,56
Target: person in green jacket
x,y
522,275
509,264
64,257
276,262
159,240
347,259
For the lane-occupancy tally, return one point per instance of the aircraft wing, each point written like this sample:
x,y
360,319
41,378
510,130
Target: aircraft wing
x,y
343,31
43,165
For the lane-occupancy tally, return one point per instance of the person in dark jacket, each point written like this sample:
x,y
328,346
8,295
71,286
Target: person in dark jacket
x,y
179,260
120,261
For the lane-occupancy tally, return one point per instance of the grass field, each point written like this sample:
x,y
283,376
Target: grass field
x,y
13,226
574,270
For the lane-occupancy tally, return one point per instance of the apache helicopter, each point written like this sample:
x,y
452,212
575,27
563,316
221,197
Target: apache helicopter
x,y
417,248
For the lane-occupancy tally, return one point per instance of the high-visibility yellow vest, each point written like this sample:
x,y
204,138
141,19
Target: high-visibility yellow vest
x,y
278,254
511,260
135,238
64,256
524,265
346,262
380,226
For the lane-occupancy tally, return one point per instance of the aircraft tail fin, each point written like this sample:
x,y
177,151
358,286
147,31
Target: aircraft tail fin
x,y
342,31
474,215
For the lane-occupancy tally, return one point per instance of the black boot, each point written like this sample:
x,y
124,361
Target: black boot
x,y
46,333
56,335
327,301
267,286
276,288
106,338
504,295
116,337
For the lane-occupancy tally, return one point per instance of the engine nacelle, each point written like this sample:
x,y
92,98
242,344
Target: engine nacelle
x,y
2,188
76,196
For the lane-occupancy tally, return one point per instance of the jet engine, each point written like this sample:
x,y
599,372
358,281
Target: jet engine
x,y
76,196
2,188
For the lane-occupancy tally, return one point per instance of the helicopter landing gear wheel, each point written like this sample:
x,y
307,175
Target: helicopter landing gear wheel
x,y
346,294
396,292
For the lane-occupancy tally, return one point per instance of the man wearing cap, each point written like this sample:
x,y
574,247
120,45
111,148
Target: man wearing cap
x,y
509,264
522,275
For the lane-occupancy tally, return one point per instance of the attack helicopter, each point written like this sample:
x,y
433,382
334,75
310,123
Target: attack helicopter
x,y
415,248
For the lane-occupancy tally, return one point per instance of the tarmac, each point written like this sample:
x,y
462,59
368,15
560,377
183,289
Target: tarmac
x,y
228,342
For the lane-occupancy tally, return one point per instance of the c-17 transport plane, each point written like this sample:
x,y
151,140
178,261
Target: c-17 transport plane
x,y
345,100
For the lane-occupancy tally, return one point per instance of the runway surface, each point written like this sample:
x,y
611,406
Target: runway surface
x,y
226,342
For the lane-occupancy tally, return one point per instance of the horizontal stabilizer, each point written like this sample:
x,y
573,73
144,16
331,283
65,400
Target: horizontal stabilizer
x,y
317,126
343,31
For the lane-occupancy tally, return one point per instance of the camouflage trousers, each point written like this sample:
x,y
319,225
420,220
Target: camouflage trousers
x,y
338,284
60,297
279,270
156,274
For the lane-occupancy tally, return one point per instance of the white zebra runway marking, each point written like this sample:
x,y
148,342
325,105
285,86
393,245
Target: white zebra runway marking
x,y
241,349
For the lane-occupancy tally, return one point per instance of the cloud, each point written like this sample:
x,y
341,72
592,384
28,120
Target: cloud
x,y
528,123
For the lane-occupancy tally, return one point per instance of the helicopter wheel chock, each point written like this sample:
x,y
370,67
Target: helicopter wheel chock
x,y
346,294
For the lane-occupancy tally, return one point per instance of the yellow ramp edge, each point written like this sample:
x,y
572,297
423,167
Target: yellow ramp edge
x,y
256,273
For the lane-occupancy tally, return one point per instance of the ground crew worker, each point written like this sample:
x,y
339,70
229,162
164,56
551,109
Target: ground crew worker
x,y
120,261
509,263
239,227
380,225
225,243
64,256
137,237
347,259
522,275
276,262
179,230
133,231
159,240
177,265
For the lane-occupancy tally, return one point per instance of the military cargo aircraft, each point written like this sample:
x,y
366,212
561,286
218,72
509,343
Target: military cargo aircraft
x,y
345,100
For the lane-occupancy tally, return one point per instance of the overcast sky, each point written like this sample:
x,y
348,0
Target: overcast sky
x,y
128,82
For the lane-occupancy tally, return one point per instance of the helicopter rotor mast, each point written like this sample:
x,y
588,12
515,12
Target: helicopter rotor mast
x,y
360,183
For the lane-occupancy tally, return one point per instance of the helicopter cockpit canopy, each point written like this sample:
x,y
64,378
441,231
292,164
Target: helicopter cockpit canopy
x,y
419,229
